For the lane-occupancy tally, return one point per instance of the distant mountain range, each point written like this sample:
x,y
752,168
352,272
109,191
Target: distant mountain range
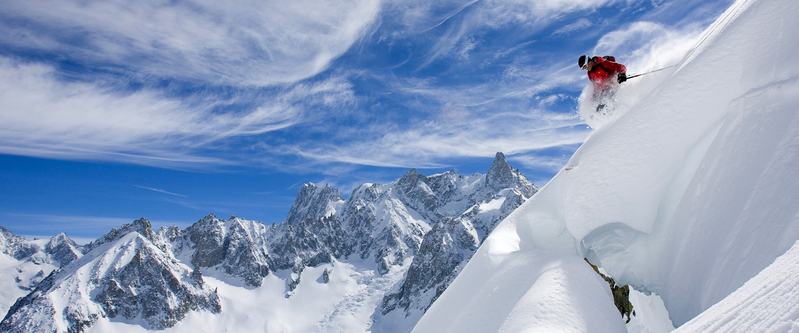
x,y
404,241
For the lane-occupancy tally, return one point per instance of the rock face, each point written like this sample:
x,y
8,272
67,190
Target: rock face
x,y
236,247
63,250
128,275
452,241
15,246
431,224
314,203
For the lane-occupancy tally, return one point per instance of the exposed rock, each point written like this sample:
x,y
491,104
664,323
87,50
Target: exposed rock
x,y
141,226
452,242
326,275
309,243
621,295
314,203
237,247
144,286
15,246
63,250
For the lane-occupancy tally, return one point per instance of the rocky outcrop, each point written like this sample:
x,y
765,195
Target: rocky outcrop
x,y
314,203
63,250
621,294
15,246
436,264
60,250
308,243
141,226
152,287
237,247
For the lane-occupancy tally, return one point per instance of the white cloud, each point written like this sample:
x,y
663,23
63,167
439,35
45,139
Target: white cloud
x,y
46,117
529,16
644,45
499,12
514,114
434,141
569,28
239,42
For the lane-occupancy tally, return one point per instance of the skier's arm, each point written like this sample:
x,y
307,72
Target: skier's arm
x,y
615,67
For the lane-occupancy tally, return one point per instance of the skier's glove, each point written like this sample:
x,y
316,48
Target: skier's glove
x,y
622,77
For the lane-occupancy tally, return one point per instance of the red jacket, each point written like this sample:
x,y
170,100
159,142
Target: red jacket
x,y
605,73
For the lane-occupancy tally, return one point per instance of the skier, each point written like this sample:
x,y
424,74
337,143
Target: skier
x,y
602,71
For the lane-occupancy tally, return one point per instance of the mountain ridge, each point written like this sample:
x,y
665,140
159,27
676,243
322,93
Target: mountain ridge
x,y
382,227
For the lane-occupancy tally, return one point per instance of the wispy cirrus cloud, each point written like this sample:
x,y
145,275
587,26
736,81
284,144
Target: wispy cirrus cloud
x,y
47,117
448,122
160,191
236,42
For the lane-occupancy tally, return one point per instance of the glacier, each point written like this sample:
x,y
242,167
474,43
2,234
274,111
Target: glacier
x,y
686,193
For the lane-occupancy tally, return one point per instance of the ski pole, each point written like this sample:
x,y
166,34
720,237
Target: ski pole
x,y
657,70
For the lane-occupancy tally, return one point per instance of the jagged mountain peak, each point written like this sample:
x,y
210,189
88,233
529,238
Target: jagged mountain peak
x,y
500,174
141,226
63,249
411,177
314,202
13,245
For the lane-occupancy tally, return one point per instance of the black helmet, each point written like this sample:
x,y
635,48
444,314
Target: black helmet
x,y
581,61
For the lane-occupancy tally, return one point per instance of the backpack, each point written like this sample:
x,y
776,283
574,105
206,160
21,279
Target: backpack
x,y
609,57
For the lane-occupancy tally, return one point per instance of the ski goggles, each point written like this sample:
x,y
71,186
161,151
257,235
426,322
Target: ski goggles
x,y
585,65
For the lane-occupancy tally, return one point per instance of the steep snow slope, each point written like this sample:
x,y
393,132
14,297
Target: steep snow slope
x,y
525,289
767,302
689,193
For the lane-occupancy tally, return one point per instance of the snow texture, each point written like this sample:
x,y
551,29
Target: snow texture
x,y
688,192
769,302
523,290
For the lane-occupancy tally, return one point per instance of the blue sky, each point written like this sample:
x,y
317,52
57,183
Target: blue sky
x,y
171,110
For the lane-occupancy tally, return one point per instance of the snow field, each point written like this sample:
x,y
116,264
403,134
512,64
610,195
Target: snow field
x,y
15,274
345,304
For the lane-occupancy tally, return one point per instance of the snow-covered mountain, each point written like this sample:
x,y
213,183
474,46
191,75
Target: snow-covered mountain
x,y
688,192
375,261
24,264
123,274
